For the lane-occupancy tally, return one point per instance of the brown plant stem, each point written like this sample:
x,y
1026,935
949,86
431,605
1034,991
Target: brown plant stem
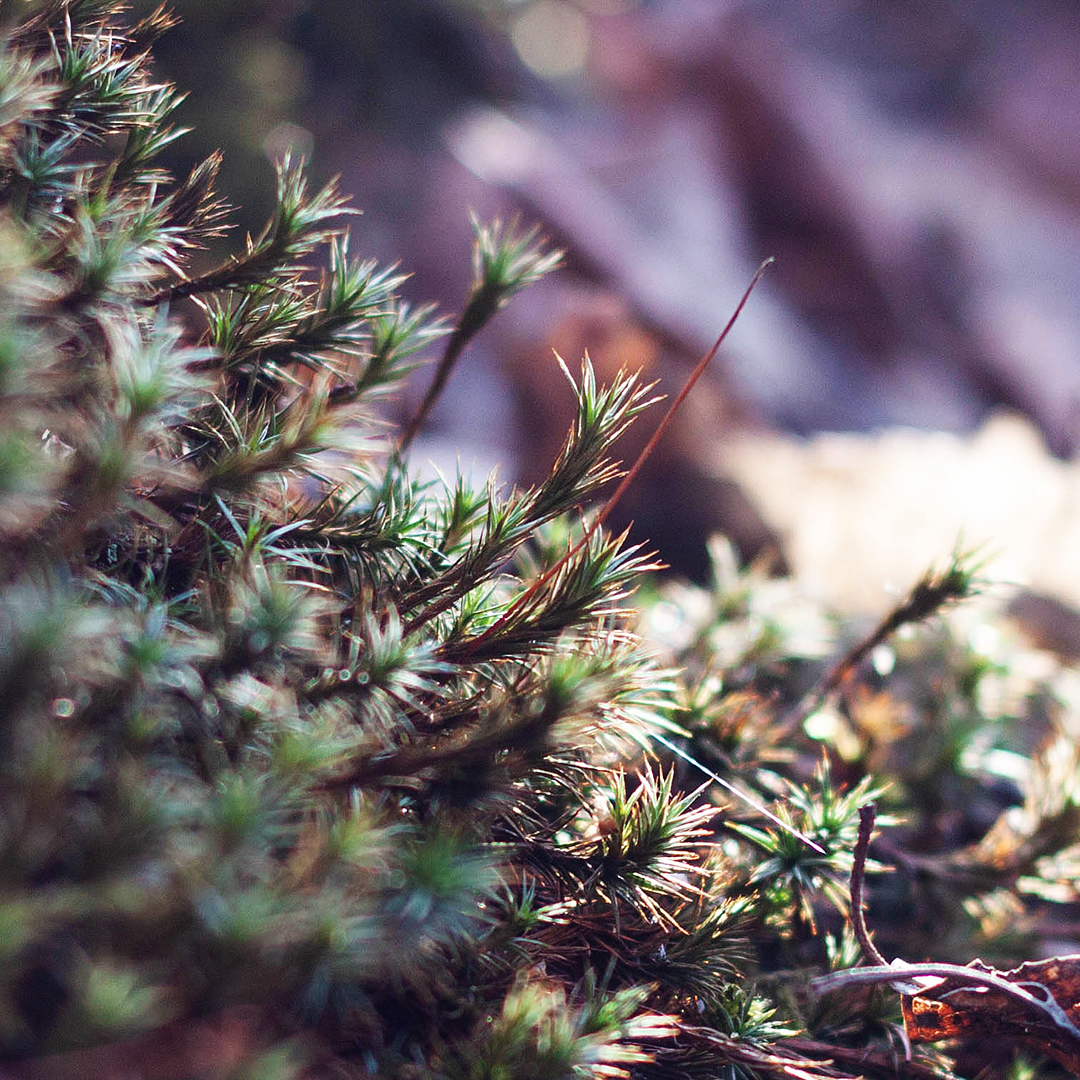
x,y
867,816
483,305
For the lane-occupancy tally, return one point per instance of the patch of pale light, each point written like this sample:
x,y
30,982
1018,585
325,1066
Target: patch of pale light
x,y
883,657
552,38
288,138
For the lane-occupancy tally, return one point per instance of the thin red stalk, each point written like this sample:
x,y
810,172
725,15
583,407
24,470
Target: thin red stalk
x,y
696,374
527,596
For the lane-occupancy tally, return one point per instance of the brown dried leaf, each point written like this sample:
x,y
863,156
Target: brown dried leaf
x,y
1049,1021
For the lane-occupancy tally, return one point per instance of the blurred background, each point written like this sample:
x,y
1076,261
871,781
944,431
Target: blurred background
x,y
914,168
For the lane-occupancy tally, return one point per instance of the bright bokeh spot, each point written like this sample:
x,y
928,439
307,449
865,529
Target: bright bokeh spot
x,y
552,38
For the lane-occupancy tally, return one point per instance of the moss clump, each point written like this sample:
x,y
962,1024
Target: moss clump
x,y
309,768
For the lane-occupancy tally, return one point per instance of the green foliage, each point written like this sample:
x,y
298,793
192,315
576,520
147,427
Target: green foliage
x,y
310,769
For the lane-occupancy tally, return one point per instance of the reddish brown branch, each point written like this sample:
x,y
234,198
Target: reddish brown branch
x,y
867,816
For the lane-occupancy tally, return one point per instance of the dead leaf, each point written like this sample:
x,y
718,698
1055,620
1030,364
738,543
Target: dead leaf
x,y
1044,1014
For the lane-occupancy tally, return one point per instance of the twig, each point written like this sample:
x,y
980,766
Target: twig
x,y
860,1058
867,816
